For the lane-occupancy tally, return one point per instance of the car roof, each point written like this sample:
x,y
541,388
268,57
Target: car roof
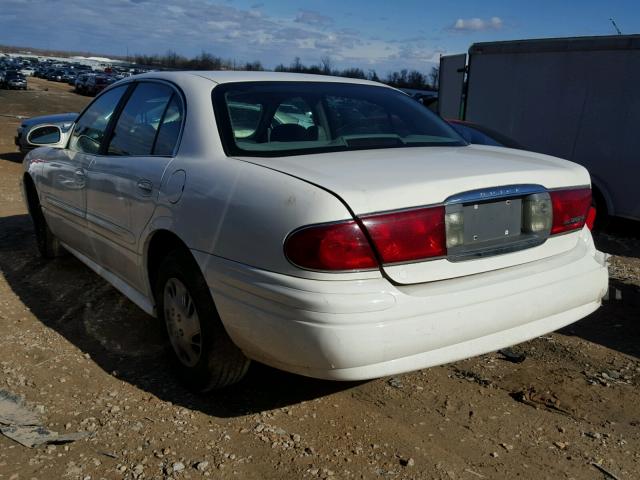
x,y
229,76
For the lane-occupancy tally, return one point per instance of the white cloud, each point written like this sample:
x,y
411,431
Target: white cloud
x,y
175,9
188,27
311,17
477,24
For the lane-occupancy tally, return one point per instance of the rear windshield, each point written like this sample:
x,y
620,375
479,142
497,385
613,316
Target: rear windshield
x,y
264,119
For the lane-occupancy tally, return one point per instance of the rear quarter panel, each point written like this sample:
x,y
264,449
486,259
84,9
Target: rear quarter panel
x,y
243,212
234,209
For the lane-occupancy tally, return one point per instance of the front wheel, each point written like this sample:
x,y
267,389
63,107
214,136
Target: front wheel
x,y
206,357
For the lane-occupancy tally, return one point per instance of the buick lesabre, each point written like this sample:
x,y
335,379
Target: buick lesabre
x,y
330,227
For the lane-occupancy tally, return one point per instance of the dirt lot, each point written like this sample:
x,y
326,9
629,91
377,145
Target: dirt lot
x,y
88,360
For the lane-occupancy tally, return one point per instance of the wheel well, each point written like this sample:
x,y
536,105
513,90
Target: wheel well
x,y
161,244
30,192
600,200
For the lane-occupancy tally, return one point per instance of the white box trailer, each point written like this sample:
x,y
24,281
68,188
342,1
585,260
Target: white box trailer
x,y
574,98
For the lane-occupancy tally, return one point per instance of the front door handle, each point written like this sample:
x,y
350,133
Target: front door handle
x,y
145,186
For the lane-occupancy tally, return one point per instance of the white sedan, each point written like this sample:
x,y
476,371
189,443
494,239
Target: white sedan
x,y
329,227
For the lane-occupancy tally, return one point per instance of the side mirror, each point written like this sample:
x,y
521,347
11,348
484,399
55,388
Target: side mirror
x,y
45,135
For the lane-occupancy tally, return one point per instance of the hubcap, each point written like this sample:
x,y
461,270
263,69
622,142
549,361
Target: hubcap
x,y
183,324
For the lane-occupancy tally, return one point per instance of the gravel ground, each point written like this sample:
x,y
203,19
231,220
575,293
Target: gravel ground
x,y
88,360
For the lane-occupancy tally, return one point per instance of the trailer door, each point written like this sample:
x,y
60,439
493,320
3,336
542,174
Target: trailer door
x,y
452,70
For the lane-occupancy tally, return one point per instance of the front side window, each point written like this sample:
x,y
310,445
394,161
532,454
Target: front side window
x,y
136,128
295,118
92,125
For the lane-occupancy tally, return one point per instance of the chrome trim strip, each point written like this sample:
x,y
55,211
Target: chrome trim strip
x,y
65,207
494,193
102,223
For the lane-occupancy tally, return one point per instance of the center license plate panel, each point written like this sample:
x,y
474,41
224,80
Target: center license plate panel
x,y
488,222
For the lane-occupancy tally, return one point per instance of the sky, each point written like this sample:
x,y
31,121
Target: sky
x,y
372,35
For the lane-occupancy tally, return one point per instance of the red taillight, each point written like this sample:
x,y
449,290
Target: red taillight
x,y
398,237
570,209
335,246
591,218
408,236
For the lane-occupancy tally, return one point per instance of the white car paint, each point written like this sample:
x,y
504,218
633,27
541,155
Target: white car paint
x,y
371,328
235,213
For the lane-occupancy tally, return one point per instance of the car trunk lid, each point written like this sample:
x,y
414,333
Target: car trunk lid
x,y
373,181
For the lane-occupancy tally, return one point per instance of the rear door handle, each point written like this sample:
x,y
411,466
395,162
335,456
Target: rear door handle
x,y
80,177
145,186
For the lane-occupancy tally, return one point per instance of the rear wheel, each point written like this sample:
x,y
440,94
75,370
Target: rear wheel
x,y
206,357
48,244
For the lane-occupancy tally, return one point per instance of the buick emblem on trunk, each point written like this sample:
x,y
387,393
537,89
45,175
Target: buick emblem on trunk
x,y
500,192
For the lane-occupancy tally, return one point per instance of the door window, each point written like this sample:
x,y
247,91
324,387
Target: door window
x,y
136,128
91,126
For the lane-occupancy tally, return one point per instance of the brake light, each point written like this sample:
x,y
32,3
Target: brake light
x,y
422,233
591,218
570,209
398,237
409,235
334,246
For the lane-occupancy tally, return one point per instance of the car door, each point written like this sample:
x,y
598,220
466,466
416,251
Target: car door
x,y
123,183
64,187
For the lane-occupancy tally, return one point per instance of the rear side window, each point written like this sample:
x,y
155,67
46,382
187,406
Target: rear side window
x,y
91,126
136,128
169,130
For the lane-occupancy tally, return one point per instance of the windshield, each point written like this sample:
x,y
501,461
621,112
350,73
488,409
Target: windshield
x,y
295,118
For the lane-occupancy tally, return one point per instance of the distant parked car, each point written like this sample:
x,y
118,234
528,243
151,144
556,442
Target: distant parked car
x,y
429,101
14,80
96,83
27,72
356,236
480,135
54,75
81,82
70,77
30,133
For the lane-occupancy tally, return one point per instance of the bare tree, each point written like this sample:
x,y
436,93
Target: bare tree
x,y
325,63
434,77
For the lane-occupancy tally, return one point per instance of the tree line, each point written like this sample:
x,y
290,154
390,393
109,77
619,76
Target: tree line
x,y
206,61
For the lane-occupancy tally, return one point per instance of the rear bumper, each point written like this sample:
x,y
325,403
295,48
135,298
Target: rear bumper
x,y
355,330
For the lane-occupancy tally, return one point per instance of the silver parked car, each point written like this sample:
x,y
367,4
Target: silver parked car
x,y
329,227
43,130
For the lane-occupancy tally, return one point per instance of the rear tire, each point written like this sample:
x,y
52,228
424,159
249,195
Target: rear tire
x,y
205,356
48,244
